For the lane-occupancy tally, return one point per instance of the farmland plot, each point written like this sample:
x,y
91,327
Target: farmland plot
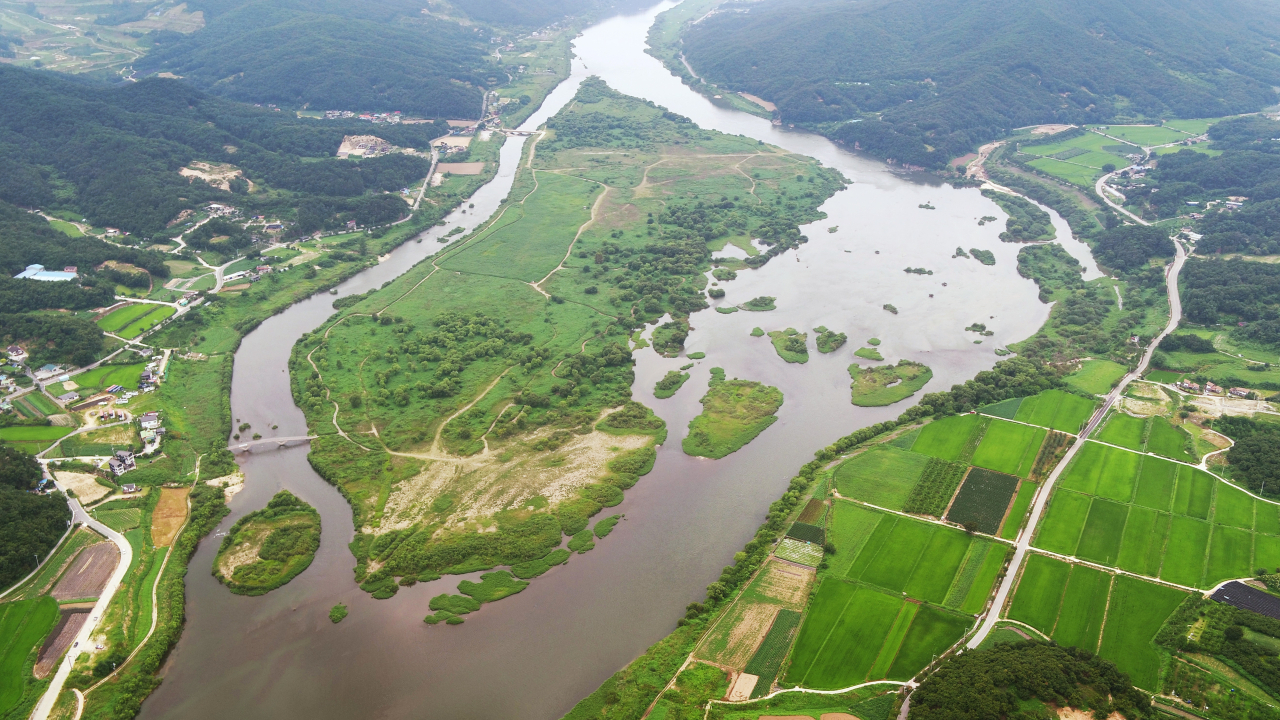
x,y
883,476
983,500
1137,610
1009,448
1056,409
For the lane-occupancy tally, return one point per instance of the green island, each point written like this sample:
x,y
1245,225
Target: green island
x,y
734,412
669,384
491,356
890,308
763,303
869,353
1026,223
829,341
337,613
791,344
986,257
267,548
887,384
757,332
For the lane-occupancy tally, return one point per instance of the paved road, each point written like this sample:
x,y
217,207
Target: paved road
x,y
1037,509
82,639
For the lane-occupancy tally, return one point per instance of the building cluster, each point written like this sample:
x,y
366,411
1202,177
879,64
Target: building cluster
x,y
38,272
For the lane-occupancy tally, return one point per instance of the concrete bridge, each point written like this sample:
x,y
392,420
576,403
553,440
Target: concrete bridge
x,y
275,442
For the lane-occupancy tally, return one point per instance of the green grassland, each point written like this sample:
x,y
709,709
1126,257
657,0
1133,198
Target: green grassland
x,y
101,378
1056,409
734,412
887,384
1096,377
461,354
1009,448
1223,369
883,476
1156,518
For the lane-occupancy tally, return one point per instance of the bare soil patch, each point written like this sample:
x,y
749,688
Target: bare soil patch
x,y
59,640
742,687
88,573
747,634
786,583
236,288
84,485
461,168
759,101
169,515
218,175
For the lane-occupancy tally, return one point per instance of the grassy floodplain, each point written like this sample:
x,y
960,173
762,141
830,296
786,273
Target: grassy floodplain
x,y
734,412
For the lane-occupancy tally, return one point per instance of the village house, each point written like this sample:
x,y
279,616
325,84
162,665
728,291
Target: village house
x,y
1211,388
67,398
121,463
16,353
1188,385
1239,392
150,421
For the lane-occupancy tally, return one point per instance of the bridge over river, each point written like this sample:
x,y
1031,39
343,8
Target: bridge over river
x,y
278,442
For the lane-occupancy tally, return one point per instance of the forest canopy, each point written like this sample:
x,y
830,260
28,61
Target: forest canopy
x,y
922,81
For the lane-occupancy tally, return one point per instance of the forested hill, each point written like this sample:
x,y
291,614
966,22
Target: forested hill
x,y
923,81
379,56
113,154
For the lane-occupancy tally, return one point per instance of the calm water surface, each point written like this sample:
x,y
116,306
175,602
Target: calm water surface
x,y
537,653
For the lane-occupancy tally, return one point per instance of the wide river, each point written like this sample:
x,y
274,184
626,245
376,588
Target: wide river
x,y
534,655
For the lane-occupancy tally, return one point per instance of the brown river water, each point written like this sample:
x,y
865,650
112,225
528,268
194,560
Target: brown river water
x,y
537,653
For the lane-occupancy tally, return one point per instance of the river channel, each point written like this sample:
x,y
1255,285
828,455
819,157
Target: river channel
x,y
535,654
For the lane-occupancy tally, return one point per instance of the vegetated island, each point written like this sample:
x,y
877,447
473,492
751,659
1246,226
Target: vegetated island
x,y
986,257
917,271
981,329
764,303
337,613
669,384
887,384
829,340
867,353
1026,223
734,412
269,547
791,344
757,332
890,308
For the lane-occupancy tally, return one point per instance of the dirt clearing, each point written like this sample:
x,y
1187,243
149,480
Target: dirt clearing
x,y
742,687
88,573
59,640
786,583
169,515
759,101
218,175
84,485
461,168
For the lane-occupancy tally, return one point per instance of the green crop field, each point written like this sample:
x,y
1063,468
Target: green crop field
x,y
888,650
23,627
1009,448
42,403
119,318
768,658
1007,409
1170,442
103,377
1230,552
1266,552
850,527
992,564
883,476
1123,430
1063,520
983,499
1234,507
1142,547
1096,377
931,633
1137,610
1056,409
946,438
1018,511
158,314
1100,541
532,237
1144,135
1266,517
1184,554
1084,606
1155,484
1193,495
921,559
1101,470
799,552
120,520
1039,593
1163,376
1193,127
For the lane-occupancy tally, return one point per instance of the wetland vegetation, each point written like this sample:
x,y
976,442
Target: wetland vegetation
x,y
269,547
791,344
734,412
887,384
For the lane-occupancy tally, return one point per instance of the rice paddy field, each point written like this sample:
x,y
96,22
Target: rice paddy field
x,y
1157,518
33,439
23,627
1080,606
854,632
1009,448
1018,511
946,439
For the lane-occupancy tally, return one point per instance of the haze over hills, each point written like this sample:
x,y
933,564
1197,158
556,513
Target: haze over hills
x,y
943,77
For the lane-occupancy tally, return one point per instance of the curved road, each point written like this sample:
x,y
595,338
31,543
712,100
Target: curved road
x,y
81,642
1037,509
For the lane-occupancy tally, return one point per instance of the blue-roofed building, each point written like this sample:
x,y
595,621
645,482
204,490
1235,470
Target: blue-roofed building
x,y
37,272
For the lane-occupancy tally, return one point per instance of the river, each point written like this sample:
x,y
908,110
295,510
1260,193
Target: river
x,y
537,653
